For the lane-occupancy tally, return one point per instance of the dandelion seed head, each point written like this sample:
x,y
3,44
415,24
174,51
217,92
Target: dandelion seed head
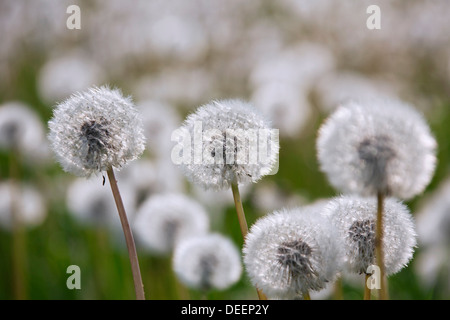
x,y
28,203
165,219
95,130
433,217
209,261
21,129
92,204
290,252
234,126
355,219
376,146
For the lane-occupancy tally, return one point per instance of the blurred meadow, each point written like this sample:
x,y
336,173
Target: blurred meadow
x,y
295,60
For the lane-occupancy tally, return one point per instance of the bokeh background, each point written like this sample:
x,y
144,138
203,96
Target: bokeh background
x,y
296,60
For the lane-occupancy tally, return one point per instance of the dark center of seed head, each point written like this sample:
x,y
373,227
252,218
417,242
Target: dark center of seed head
x,y
296,257
376,152
95,134
362,232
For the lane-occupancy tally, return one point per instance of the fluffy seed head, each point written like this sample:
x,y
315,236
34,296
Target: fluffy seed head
x,y
355,219
377,146
96,130
237,145
290,252
93,205
433,217
27,202
165,219
21,129
205,262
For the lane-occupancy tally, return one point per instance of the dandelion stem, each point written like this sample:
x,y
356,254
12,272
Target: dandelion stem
x,y
243,223
18,233
379,245
338,294
366,287
138,285
306,296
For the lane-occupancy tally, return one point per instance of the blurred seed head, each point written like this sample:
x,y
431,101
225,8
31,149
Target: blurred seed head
x,y
95,130
205,262
92,204
21,129
165,219
236,128
72,72
377,146
291,252
433,217
355,219
25,201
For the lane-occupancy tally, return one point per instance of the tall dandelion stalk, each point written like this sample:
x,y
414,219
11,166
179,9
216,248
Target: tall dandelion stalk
x,y
93,132
223,144
377,148
21,135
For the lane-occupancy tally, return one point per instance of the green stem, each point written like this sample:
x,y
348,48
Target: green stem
x,y
137,279
379,254
18,232
366,287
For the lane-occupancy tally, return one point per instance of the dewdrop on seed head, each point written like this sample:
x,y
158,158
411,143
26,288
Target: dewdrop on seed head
x,y
291,252
355,219
206,262
96,130
377,146
230,142
165,219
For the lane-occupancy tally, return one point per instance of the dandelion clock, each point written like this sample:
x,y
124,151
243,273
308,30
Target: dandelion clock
x,y
95,131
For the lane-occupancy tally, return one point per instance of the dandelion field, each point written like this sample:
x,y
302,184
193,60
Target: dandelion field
x,y
294,61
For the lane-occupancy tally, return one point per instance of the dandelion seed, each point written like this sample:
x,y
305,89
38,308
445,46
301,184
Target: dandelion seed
x,y
96,130
165,219
206,262
355,218
291,252
228,152
377,146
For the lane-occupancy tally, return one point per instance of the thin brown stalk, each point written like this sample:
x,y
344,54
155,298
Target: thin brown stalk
x,y
243,223
306,296
137,279
366,287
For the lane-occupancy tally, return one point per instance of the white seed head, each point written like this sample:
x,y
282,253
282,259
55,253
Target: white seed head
x,y
377,146
21,128
232,133
433,217
291,252
92,204
165,219
209,261
355,219
96,130
26,201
